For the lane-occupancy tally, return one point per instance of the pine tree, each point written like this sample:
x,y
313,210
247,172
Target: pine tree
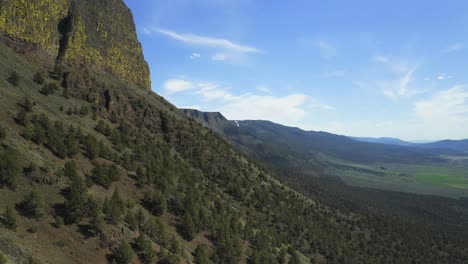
x,y
201,255
145,249
123,253
155,202
131,220
9,167
77,199
9,219
95,214
114,208
14,78
3,133
27,104
33,204
39,78
22,117
187,227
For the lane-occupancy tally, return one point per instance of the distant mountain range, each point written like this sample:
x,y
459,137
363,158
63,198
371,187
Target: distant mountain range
x,y
278,144
460,145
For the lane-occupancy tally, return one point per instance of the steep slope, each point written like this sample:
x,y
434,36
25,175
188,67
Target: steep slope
x,y
98,35
94,169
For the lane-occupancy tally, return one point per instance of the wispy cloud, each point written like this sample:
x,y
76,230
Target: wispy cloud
x,y
326,48
455,47
205,41
445,106
442,77
195,56
287,109
400,87
173,86
220,57
263,89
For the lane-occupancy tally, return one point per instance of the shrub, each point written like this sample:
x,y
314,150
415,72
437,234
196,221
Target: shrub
x,y
39,78
3,132
9,219
14,78
123,253
33,205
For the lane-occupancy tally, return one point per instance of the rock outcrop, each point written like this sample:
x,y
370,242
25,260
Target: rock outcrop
x,y
96,34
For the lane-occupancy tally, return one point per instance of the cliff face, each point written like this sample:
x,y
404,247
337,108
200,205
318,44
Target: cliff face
x,y
97,33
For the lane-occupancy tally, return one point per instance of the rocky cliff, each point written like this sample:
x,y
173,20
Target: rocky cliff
x,y
95,34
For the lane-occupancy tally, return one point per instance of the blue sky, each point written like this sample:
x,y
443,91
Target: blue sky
x,y
360,68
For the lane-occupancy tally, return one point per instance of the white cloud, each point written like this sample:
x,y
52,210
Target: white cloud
x,y
287,109
205,41
195,56
455,47
442,77
263,88
212,91
177,85
445,106
326,48
220,57
400,87
381,58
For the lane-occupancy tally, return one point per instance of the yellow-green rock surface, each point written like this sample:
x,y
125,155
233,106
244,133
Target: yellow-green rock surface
x,y
103,35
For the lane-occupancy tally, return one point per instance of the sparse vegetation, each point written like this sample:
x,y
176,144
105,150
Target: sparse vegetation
x,y
14,78
123,253
39,78
9,219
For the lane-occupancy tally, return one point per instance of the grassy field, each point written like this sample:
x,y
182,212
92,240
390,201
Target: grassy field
x,y
450,179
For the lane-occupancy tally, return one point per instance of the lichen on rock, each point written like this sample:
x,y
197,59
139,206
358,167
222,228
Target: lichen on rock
x,y
103,37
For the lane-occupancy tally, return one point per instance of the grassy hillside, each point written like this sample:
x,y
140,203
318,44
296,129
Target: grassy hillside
x,y
100,164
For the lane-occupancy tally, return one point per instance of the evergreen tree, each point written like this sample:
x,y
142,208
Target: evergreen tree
x,y
131,220
187,227
145,249
27,105
39,78
201,255
22,117
123,254
155,202
9,167
96,218
9,219
3,133
114,208
14,78
295,259
33,204
140,218
76,203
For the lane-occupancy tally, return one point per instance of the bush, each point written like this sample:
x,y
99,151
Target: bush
x,y
9,219
3,132
3,259
14,78
39,78
33,205
59,221
9,167
49,88
123,253
84,110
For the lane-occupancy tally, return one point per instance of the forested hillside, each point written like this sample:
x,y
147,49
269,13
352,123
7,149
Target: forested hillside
x,y
94,169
